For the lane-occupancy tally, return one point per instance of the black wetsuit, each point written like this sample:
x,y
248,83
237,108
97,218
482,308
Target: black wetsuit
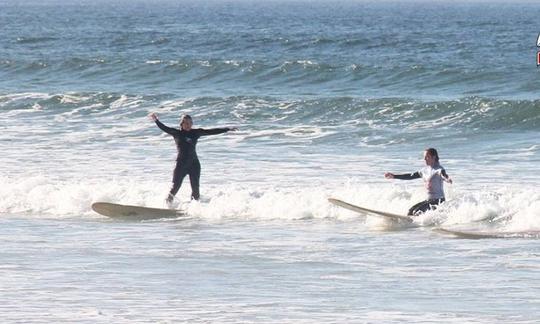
x,y
187,161
431,202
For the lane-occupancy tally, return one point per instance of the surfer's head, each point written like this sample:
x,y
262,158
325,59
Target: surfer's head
x,y
431,156
186,122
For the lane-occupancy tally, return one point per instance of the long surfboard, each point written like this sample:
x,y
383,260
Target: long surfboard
x,y
134,212
487,234
370,212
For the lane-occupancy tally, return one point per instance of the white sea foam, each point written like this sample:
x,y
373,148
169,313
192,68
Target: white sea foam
x,y
126,102
509,209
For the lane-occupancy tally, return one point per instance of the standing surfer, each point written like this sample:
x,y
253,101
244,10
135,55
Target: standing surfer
x,y
433,175
187,162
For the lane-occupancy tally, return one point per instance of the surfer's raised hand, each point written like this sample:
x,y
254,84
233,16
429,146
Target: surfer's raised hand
x,y
389,175
153,116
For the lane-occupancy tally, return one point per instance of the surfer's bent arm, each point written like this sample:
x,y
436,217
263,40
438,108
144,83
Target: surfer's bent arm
x,y
164,128
213,131
445,176
407,176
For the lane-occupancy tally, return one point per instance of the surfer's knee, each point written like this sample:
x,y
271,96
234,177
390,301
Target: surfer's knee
x,y
419,208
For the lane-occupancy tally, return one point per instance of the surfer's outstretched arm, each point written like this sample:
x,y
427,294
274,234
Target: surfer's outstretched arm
x,y
405,176
215,131
162,126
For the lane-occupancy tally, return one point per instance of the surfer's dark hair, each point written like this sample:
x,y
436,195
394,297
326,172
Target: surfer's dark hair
x,y
433,152
184,117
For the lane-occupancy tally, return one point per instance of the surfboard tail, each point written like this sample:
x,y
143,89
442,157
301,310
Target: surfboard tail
x,y
134,212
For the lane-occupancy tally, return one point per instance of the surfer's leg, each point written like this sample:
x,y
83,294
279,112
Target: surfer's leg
x,y
419,208
194,176
180,172
433,203
424,206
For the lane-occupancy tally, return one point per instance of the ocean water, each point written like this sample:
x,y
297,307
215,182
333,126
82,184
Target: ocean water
x,y
327,96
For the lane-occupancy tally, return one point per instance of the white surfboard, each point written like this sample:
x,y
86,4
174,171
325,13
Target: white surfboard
x,y
134,212
370,212
487,234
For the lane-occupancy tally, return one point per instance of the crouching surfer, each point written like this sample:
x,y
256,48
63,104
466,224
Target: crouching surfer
x,y
433,175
